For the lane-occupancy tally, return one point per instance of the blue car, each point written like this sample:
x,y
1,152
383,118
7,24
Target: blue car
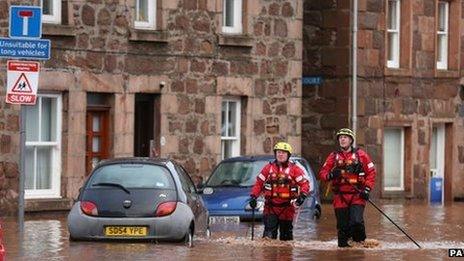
x,y
227,190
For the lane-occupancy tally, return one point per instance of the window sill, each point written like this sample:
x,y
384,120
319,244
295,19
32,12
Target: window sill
x,y
238,40
57,30
393,194
141,35
48,204
397,71
446,73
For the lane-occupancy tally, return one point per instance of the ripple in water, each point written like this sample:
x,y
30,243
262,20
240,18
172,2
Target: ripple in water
x,y
369,245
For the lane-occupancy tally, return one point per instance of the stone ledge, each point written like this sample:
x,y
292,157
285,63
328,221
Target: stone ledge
x,y
446,73
58,30
397,71
387,194
236,40
138,35
48,204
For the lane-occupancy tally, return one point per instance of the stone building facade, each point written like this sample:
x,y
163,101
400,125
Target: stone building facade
x,y
111,86
410,105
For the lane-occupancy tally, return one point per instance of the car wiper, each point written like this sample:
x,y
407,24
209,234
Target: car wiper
x,y
109,184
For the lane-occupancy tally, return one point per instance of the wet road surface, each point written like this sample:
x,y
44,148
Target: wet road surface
x,y
436,228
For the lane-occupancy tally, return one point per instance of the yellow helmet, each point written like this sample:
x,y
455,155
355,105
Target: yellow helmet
x,y
347,132
283,146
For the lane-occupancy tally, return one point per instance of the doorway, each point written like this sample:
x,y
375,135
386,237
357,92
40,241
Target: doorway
x,y
146,127
97,139
437,156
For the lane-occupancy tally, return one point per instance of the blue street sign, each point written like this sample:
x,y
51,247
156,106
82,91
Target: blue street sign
x,y
25,49
312,80
25,22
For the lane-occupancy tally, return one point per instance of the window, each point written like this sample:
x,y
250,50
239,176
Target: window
x,y
43,148
51,11
230,128
145,14
185,180
232,16
442,35
134,175
393,34
393,155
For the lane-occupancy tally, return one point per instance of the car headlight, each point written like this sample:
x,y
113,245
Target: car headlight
x,y
259,206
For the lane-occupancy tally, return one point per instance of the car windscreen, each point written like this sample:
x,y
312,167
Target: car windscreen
x,y
309,176
132,176
237,173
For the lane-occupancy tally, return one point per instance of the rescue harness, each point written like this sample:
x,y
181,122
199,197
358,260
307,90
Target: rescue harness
x,y
355,178
281,185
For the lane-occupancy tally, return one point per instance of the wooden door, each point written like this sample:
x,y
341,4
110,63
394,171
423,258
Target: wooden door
x,y
97,136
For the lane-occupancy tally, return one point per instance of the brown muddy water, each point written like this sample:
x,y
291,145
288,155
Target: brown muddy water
x,y
436,228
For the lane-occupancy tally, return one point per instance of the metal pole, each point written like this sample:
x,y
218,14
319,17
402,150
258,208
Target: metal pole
x,y
22,169
354,90
385,215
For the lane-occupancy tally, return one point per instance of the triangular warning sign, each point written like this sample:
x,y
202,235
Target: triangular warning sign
x,y
22,85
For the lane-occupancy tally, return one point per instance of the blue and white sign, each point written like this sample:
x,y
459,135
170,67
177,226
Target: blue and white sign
x,y
38,49
312,80
25,22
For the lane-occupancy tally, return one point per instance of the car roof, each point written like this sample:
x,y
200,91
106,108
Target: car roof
x,y
256,158
161,161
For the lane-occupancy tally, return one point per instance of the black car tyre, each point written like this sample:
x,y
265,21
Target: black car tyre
x,y
72,239
317,213
188,239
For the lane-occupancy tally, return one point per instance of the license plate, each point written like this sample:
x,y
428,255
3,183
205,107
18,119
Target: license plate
x,y
120,231
224,219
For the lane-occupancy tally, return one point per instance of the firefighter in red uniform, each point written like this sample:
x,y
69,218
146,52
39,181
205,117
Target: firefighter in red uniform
x,y
352,174
283,183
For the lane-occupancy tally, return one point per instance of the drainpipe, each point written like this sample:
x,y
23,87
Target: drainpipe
x,y
354,81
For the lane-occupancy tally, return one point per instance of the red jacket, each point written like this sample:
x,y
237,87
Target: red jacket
x,y
346,194
277,205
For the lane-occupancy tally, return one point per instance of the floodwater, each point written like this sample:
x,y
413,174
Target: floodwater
x,y
435,228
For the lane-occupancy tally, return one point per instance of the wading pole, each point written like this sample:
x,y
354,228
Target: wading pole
x,y
385,215
298,211
372,203
252,223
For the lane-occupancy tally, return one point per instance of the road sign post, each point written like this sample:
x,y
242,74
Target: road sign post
x,y
23,76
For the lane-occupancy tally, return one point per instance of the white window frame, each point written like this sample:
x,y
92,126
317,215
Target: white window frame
x,y
444,36
401,187
151,23
236,138
55,17
395,32
55,190
236,28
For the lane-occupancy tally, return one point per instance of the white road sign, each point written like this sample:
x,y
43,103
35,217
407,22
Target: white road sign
x,y
22,83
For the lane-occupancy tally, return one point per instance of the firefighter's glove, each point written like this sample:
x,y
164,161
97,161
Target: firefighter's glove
x,y
365,193
354,168
335,173
253,203
300,200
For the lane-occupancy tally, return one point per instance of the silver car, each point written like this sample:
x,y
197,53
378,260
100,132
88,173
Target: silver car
x,y
138,198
